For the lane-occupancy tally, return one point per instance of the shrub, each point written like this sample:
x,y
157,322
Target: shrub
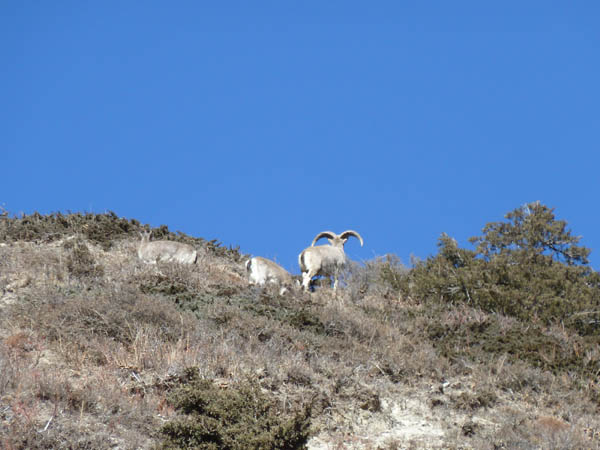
x,y
101,229
528,267
237,417
487,339
81,262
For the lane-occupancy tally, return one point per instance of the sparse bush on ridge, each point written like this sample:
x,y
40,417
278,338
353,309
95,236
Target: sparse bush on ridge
x,y
101,229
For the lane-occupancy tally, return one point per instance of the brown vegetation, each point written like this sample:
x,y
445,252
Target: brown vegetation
x,y
98,350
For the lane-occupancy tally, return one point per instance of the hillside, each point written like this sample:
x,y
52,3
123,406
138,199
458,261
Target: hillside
x,y
99,351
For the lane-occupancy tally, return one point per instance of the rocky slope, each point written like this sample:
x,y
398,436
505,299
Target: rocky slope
x,y
93,342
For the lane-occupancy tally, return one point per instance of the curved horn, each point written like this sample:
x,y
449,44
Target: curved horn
x,y
349,233
322,234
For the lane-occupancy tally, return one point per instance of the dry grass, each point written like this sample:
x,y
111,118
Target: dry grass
x,y
92,342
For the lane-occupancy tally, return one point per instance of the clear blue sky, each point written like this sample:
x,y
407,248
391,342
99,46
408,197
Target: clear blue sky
x,y
263,123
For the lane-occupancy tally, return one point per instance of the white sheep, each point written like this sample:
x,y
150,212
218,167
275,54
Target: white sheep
x,y
262,271
152,252
326,260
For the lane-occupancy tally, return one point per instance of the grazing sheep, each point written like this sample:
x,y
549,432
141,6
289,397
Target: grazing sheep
x,y
262,271
165,251
326,260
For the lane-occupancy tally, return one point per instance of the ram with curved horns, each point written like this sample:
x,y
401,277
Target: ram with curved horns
x,y
326,260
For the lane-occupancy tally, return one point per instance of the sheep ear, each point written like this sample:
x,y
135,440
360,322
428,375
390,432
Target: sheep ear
x,y
322,234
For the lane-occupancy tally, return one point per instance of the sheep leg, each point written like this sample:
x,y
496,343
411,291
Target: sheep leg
x,y
336,277
306,279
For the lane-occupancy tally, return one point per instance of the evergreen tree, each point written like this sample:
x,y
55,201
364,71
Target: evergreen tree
x,y
533,235
529,266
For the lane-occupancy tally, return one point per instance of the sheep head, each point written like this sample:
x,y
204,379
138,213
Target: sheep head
x,y
337,240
